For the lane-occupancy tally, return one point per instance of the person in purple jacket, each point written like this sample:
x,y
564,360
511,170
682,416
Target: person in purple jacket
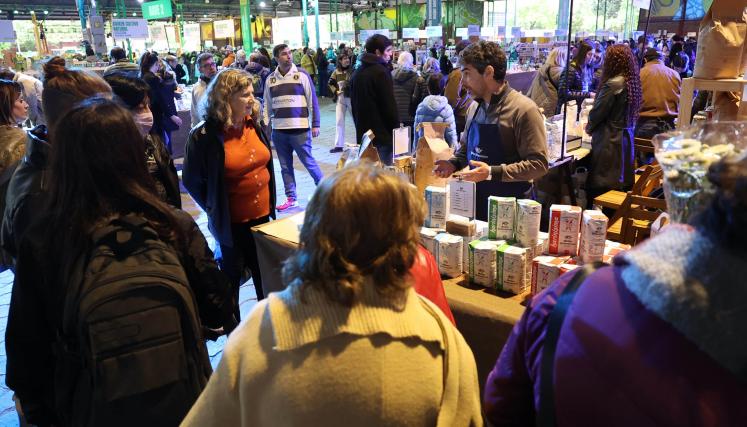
x,y
656,339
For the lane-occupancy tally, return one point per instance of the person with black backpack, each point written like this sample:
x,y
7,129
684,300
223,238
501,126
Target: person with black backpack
x,y
113,287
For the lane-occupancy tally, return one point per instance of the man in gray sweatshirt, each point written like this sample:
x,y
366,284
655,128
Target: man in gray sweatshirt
x,y
504,142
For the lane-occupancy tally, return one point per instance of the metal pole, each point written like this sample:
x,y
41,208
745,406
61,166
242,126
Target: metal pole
x,y
337,20
305,24
645,33
316,21
604,18
596,22
567,70
246,25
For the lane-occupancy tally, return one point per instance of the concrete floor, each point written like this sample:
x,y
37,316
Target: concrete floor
x,y
305,187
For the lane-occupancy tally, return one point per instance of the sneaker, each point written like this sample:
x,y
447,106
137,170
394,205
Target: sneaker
x,y
336,150
290,202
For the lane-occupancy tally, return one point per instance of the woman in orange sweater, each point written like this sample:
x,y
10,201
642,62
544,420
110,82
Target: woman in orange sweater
x,y
228,171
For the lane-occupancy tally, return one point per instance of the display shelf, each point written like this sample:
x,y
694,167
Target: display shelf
x,y
690,85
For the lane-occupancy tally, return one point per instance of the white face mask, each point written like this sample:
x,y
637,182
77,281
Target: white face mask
x,y
144,121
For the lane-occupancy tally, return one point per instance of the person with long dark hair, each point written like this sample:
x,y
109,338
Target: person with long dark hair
x,y
134,94
13,111
612,121
98,176
322,64
228,170
576,79
27,188
165,117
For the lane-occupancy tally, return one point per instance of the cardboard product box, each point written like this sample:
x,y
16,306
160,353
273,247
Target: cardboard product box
x,y
593,236
432,146
511,269
545,239
483,261
564,268
460,225
437,200
545,269
501,217
405,165
428,239
450,253
564,226
528,214
612,249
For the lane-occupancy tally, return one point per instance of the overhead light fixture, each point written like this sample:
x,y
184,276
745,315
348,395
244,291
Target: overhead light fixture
x,y
140,1
46,12
93,3
16,12
178,16
380,3
204,16
134,13
114,14
262,4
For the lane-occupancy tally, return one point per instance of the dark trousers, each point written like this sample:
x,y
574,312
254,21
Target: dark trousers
x,y
242,255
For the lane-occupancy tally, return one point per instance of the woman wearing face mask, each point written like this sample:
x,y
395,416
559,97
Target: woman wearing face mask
x,y
338,88
134,94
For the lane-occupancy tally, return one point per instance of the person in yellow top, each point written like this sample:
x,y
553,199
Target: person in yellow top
x,y
348,342
308,63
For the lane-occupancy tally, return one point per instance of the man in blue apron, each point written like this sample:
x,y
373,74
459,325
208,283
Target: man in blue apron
x,y
504,141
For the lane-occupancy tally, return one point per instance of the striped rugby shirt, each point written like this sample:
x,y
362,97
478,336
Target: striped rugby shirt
x,y
290,100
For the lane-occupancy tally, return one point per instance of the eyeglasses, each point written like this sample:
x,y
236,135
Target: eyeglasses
x,y
209,64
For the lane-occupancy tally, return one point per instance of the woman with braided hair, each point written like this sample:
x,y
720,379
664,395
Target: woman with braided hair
x,y
612,123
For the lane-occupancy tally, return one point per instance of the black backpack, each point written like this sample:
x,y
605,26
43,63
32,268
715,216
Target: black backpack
x,y
130,352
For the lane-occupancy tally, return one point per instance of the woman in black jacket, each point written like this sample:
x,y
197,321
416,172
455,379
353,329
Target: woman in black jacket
x,y
165,117
575,81
134,93
612,122
228,171
98,173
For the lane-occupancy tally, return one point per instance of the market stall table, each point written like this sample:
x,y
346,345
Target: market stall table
x,y
484,319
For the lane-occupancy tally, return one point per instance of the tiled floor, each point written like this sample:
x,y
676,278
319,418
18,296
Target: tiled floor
x,y
305,187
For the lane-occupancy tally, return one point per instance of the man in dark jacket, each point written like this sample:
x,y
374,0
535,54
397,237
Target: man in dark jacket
x,y
372,96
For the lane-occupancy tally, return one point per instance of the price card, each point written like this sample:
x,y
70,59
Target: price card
x,y
401,138
462,197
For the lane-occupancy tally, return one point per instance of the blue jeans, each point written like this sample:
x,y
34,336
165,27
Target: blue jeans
x,y
298,140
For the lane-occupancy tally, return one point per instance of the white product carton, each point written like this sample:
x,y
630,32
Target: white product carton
x,y
612,249
437,200
545,269
450,253
462,226
501,217
511,269
564,224
481,229
428,239
593,236
545,239
528,214
483,261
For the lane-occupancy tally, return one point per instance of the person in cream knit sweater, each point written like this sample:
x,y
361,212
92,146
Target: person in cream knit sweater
x,y
348,342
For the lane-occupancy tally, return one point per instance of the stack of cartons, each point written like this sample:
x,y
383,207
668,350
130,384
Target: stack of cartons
x,y
437,201
501,217
428,239
511,269
545,269
483,261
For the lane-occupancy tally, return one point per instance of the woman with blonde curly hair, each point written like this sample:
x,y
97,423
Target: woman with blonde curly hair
x,y
544,89
228,171
612,123
348,342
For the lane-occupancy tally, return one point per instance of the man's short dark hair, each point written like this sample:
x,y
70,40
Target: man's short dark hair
x,y
277,49
6,73
377,42
434,84
117,53
203,57
482,54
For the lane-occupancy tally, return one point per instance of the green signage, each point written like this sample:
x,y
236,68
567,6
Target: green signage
x,y
157,9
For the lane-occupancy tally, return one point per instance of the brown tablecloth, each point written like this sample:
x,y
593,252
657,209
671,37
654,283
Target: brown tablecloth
x,y
484,319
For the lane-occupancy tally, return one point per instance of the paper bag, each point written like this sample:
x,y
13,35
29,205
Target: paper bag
x,y
349,156
368,151
721,41
431,147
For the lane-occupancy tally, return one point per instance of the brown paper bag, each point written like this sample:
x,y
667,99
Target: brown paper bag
x,y
368,150
431,147
721,41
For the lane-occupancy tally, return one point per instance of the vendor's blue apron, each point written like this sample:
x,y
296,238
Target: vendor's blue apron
x,y
484,144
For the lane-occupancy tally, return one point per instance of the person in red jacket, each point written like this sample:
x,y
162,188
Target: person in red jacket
x,y
427,281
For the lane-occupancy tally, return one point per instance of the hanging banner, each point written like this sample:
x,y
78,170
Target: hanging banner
x,y
157,33
433,31
7,35
643,4
130,28
206,31
410,33
422,34
191,33
223,29
516,32
488,31
462,33
473,30
157,9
